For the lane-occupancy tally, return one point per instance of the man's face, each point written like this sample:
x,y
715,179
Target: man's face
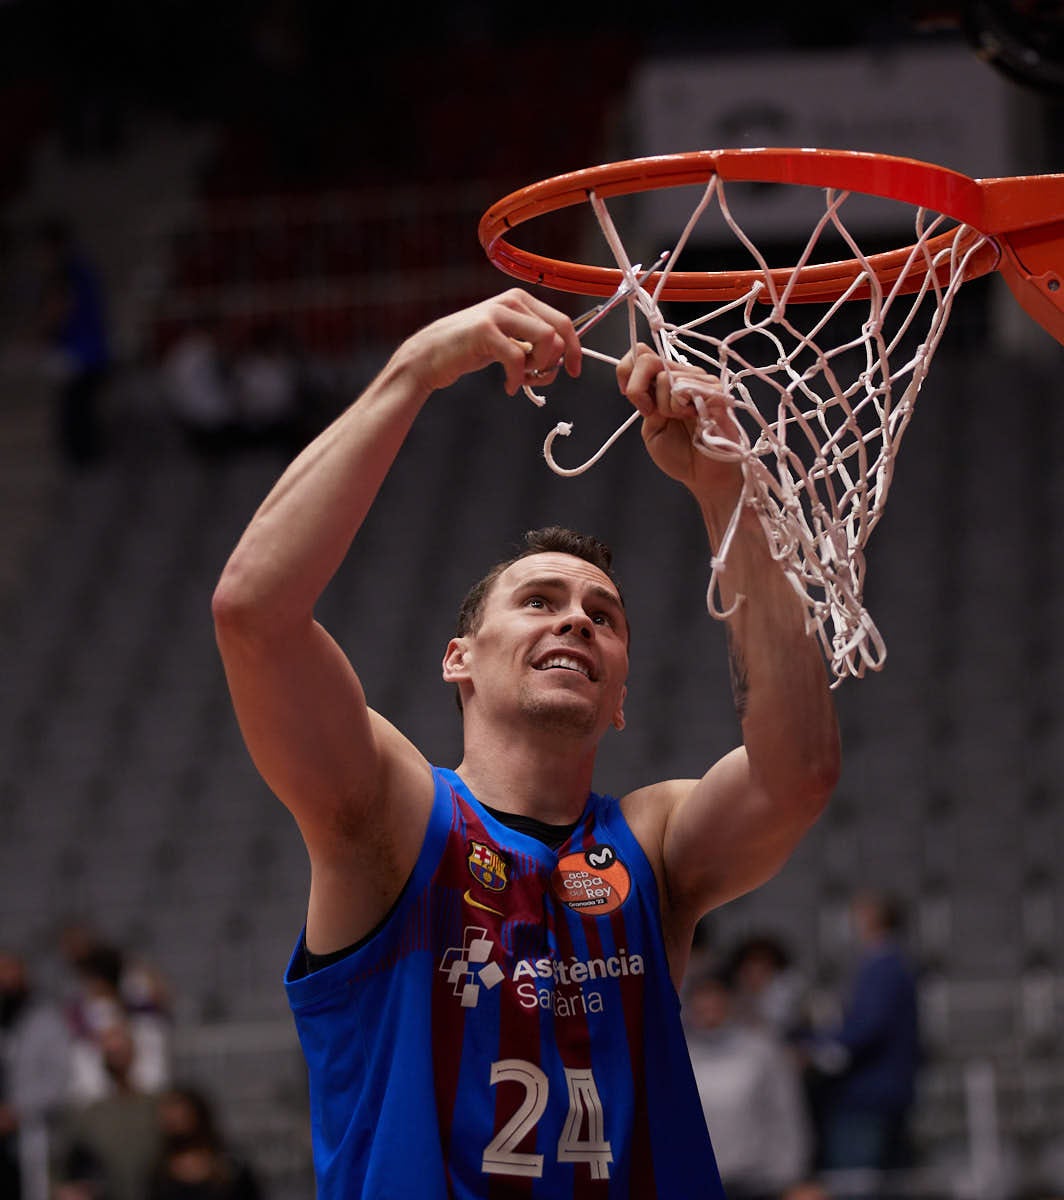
x,y
865,918
117,1049
710,1005
12,975
552,647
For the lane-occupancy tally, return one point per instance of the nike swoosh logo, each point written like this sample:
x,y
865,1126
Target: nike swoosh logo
x,y
468,897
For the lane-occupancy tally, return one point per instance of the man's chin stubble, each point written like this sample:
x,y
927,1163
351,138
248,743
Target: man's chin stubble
x,y
559,715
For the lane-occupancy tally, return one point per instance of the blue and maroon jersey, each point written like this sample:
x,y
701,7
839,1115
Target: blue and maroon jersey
x,y
511,1030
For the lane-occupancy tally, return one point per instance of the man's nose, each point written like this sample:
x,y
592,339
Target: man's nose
x,y
576,622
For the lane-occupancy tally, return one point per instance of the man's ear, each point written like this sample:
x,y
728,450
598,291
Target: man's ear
x,y
618,716
454,667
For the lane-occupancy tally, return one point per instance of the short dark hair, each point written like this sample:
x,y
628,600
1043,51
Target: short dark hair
x,y
553,539
888,912
716,975
760,945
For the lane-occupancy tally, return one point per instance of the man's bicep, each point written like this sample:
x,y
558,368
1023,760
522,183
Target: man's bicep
x,y
303,716
724,836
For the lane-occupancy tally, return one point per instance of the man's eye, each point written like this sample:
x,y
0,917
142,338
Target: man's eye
x,y
602,619
535,602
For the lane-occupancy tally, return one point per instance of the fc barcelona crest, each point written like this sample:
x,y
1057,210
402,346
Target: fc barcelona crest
x,y
488,867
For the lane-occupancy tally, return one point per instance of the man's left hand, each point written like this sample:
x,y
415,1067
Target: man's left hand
x,y
664,395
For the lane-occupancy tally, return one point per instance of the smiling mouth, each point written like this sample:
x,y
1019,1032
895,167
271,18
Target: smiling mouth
x,y
565,663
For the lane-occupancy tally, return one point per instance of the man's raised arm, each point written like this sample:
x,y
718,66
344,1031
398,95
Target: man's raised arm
x,y
349,778
735,828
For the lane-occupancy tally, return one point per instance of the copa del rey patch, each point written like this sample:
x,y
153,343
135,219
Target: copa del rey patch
x,y
592,882
488,867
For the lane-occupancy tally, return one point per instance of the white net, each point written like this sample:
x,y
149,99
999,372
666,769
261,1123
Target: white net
x,y
821,407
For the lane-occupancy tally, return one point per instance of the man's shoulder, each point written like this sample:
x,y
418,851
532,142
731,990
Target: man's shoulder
x,y
647,808
661,794
890,959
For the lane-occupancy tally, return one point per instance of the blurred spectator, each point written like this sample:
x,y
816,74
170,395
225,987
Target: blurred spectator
x,y
284,89
71,325
267,377
34,1078
9,288
751,1095
867,1067
108,1147
769,989
199,390
96,59
111,990
196,1164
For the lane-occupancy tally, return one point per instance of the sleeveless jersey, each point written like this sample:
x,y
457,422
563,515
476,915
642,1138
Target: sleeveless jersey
x,y
511,1030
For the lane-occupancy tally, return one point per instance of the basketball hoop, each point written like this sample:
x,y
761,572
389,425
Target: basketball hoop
x,y
821,399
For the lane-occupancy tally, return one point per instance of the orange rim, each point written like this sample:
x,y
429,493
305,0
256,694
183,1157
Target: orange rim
x,y
903,179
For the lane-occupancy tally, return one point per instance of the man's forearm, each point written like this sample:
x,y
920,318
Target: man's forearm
x,y
779,681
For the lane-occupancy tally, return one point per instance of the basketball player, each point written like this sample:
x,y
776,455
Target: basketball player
x,y
485,990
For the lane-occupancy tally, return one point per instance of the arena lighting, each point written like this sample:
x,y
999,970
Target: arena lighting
x,y
1023,39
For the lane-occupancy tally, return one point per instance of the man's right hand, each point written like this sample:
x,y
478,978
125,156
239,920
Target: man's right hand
x,y
497,330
